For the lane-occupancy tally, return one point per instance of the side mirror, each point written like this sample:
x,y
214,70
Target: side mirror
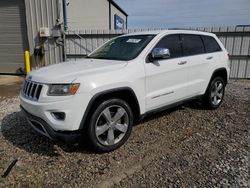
x,y
159,53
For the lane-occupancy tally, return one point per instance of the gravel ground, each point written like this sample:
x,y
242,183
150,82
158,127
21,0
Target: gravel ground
x,y
9,86
184,147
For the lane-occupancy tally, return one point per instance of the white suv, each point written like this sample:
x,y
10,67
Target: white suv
x,y
127,78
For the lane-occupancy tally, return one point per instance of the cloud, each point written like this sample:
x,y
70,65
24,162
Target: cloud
x,y
185,13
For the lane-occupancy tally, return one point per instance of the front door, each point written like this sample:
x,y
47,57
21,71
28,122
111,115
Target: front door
x,y
166,79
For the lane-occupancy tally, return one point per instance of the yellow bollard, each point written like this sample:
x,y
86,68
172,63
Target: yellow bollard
x,y
27,61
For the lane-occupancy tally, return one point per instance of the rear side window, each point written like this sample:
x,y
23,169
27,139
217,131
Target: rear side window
x,y
172,42
192,45
211,44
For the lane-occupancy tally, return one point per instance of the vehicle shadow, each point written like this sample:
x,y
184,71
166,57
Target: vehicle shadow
x,y
18,132
193,104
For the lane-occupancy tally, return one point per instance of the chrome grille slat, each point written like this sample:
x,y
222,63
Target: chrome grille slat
x,y
36,92
39,89
24,85
32,90
26,89
29,88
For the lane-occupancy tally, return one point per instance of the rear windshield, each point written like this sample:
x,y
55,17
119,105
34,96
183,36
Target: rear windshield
x,y
122,48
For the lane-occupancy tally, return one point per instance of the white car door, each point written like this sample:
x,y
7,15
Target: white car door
x,y
194,51
200,63
166,79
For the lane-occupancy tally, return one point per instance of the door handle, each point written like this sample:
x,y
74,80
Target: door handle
x,y
182,62
210,57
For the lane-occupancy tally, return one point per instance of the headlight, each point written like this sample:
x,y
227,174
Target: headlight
x,y
63,89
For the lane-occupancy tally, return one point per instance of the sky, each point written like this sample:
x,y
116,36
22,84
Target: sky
x,y
185,13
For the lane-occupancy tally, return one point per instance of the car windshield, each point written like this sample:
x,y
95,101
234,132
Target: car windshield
x,y
122,48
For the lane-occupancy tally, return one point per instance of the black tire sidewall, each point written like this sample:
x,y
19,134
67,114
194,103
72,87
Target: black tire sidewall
x,y
91,126
209,92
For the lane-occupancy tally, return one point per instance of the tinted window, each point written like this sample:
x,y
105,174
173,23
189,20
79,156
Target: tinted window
x,y
211,44
192,45
172,42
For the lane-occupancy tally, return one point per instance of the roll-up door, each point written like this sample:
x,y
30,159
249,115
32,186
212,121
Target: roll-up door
x,y
13,36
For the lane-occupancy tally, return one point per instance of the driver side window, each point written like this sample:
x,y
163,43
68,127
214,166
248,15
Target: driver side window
x,y
172,42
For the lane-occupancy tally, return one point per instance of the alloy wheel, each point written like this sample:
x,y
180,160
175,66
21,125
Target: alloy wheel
x,y
217,93
111,125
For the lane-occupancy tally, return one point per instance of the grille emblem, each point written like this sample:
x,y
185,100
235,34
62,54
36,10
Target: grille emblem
x,y
29,78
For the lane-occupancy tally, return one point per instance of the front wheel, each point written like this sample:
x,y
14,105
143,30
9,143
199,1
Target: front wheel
x,y
215,93
110,125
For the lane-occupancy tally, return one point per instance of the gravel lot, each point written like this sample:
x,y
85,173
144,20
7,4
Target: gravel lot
x,y
184,147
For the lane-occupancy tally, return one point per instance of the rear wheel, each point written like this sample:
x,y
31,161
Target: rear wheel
x,y
110,125
215,93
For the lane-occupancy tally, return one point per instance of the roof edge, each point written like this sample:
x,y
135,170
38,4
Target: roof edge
x,y
118,7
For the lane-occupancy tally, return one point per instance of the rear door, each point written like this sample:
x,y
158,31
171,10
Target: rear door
x,y
166,79
198,65
200,60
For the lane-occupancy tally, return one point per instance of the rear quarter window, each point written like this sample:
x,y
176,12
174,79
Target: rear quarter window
x,y
211,44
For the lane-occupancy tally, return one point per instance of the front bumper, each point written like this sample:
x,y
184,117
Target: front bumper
x,y
42,127
72,106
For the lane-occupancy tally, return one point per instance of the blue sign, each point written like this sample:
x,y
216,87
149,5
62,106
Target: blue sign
x,y
119,22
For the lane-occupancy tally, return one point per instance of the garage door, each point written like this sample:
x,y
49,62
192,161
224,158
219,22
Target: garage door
x,y
13,36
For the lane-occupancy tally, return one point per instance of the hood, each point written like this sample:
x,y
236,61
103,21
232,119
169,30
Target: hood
x,y
67,72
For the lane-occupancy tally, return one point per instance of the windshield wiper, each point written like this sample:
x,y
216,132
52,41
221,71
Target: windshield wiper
x,y
108,58
100,58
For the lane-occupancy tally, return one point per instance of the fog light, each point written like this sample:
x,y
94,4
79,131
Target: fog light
x,y
58,115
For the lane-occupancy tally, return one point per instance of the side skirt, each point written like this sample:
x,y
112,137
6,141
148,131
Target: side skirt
x,y
155,111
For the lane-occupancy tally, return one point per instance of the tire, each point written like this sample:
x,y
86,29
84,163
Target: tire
x,y
110,125
215,93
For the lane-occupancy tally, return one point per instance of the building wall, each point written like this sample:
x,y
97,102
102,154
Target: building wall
x,y
94,14
85,14
115,11
43,13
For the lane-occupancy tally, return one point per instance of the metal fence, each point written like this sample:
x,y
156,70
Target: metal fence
x,y
236,40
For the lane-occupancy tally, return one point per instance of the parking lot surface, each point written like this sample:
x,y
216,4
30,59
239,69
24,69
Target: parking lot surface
x,y
186,146
9,86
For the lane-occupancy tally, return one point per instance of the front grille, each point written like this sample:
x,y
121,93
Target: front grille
x,y
32,90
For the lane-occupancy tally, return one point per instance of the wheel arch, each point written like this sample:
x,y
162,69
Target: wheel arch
x,y
124,93
222,72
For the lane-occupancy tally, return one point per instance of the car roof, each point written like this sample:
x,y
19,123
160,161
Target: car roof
x,y
170,31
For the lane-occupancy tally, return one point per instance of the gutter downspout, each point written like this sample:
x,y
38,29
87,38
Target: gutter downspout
x,y
109,15
126,22
65,15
